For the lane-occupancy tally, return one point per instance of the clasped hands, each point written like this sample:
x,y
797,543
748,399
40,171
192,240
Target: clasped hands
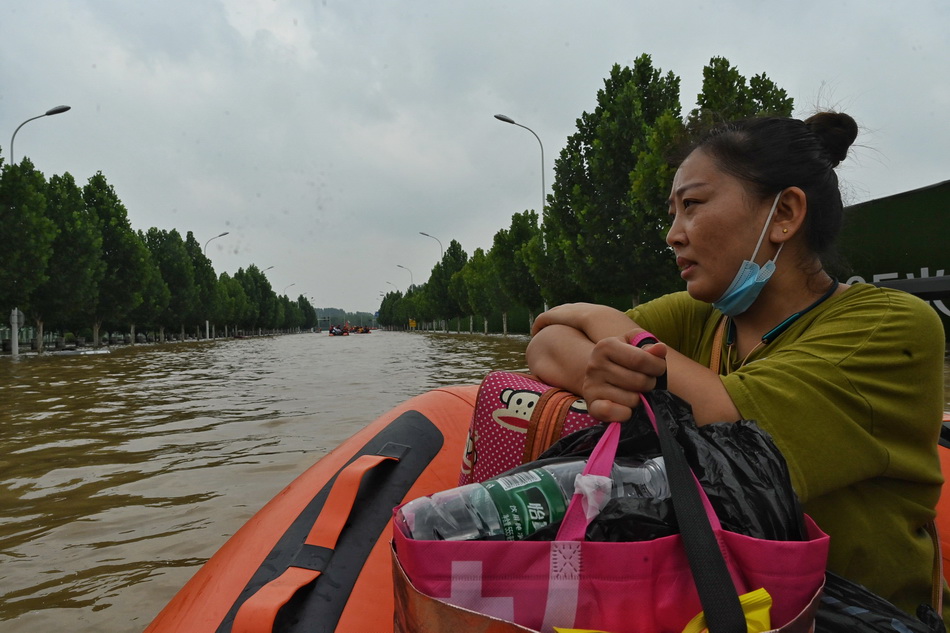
x,y
608,372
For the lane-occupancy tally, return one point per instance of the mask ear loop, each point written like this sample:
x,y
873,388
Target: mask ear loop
x,y
766,228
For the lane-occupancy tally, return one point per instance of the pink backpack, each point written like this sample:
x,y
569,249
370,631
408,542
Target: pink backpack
x,y
516,418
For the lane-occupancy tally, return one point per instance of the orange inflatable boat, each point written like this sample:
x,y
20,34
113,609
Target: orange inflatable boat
x,y
316,558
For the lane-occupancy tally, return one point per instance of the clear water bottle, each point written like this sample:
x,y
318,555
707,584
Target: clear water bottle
x,y
511,507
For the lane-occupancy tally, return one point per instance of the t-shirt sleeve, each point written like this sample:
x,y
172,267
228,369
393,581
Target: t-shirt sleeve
x,y
853,394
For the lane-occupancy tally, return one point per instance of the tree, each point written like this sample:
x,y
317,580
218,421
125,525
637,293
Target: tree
x,y
205,306
726,96
443,303
307,312
589,217
174,262
459,293
235,304
481,283
123,254
156,297
501,300
510,249
261,298
68,294
548,265
606,224
28,235
653,270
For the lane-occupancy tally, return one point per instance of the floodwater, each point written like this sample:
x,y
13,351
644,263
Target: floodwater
x,y
121,473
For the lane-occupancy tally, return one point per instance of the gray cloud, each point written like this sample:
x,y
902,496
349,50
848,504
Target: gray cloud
x,y
325,136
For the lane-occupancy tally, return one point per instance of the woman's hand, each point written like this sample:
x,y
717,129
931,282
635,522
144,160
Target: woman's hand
x,y
617,372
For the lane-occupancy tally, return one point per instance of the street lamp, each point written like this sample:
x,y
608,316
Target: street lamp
x,y
508,119
441,251
15,313
285,289
410,274
207,321
266,269
50,112
213,238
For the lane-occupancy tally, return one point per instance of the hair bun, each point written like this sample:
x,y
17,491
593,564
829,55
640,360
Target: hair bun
x,y
836,131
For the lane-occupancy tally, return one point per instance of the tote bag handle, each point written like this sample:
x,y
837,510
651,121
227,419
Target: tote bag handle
x,y
696,518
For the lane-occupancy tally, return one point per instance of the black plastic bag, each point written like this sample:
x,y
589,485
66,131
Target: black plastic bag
x,y
740,468
847,606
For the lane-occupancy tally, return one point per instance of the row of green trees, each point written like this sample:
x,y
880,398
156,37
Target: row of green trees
x,y
72,262
601,236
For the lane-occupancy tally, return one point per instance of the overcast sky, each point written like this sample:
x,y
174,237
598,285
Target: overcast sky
x,y
324,136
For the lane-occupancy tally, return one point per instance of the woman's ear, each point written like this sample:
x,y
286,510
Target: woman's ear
x,y
789,215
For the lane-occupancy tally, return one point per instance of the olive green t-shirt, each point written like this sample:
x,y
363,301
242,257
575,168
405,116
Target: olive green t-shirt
x,y
852,394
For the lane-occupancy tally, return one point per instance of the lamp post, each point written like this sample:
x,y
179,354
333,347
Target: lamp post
x,y
214,238
285,289
393,285
50,112
207,321
207,324
441,257
410,274
508,119
441,250
15,318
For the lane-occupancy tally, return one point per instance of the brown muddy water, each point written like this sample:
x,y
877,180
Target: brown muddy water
x,y
121,473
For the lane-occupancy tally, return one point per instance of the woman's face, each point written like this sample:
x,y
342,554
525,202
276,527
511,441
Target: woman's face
x,y
716,224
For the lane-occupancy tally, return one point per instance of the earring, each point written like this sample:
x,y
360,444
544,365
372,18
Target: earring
x,y
784,230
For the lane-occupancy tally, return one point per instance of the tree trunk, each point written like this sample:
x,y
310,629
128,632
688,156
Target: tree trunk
x,y
95,333
132,328
485,325
504,323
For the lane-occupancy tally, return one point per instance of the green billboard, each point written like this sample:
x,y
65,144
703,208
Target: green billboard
x,y
900,237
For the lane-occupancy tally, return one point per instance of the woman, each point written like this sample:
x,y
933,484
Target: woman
x,y
847,379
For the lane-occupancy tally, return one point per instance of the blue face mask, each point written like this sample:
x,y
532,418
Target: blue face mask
x,y
749,281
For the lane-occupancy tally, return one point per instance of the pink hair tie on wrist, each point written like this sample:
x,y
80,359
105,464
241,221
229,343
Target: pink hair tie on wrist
x,y
643,338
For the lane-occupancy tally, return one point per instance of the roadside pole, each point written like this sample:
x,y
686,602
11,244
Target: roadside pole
x,y
15,332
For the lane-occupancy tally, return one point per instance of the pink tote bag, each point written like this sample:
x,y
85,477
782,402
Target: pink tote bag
x,y
631,587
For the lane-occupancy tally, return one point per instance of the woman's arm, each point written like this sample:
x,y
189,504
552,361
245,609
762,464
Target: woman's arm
x,y
609,374
585,349
564,338
594,321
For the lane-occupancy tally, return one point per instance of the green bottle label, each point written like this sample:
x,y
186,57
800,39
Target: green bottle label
x,y
526,502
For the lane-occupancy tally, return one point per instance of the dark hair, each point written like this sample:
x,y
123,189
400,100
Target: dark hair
x,y
773,153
